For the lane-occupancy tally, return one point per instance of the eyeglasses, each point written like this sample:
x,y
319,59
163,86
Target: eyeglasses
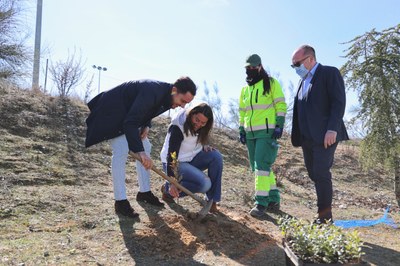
x,y
298,63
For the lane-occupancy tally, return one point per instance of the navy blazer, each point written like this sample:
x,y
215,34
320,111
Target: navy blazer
x,y
126,108
324,107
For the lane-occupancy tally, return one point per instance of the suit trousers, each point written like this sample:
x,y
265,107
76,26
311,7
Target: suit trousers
x,y
120,152
319,161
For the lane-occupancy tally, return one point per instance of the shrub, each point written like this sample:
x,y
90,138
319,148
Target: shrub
x,y
324,243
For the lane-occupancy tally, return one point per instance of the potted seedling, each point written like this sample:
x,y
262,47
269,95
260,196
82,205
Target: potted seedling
x,y
313,244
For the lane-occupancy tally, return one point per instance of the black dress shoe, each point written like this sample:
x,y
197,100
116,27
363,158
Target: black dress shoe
x,y
320,221
123,207
149,198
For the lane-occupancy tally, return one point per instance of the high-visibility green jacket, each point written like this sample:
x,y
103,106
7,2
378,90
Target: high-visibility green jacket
x,y
259,113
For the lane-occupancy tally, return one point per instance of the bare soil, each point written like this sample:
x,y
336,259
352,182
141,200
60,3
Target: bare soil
x,y
56,199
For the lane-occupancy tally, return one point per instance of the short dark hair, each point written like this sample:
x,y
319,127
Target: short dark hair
x,y
203,133
308,50
184,85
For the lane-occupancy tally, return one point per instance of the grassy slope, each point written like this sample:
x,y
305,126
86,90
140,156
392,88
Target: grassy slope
x,y
56,198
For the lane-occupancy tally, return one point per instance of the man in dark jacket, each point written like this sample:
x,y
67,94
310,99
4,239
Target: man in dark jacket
x,y
318,125
123,116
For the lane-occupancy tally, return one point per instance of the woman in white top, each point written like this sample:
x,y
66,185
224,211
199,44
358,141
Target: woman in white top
x,y
187,137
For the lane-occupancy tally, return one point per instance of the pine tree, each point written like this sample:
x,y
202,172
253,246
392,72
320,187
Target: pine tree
x,y
373,70
13,53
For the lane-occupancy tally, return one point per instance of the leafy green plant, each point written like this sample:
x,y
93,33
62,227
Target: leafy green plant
x,y
324,243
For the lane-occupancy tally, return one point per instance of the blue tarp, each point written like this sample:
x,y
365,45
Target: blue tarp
x,y
360,223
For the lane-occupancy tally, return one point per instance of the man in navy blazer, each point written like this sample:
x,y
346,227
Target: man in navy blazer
x,y
318,126
123,116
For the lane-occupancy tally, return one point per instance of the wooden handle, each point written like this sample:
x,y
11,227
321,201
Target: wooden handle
x,y
172,180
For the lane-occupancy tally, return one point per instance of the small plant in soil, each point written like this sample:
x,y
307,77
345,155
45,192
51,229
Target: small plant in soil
x,y
175,166
324,243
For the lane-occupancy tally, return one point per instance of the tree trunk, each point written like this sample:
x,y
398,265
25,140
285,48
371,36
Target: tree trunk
x,y
397,180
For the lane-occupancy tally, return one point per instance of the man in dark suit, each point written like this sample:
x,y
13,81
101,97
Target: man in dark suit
x,y
123,115
318,125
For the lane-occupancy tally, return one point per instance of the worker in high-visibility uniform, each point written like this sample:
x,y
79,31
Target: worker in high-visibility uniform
x,y
262,111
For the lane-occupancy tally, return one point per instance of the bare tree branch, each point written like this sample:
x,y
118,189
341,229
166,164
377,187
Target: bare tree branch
x,y
67,74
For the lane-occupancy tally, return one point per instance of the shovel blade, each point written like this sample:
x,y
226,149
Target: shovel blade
x,y
204,211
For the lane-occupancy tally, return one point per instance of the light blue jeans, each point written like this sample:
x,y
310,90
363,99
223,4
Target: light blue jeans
x,y
195,180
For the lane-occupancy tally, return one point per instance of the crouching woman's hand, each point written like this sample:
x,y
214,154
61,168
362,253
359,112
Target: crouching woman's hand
x,y
173,191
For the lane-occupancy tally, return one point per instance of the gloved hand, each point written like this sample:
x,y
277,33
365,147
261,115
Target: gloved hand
x,y
242,138
277,133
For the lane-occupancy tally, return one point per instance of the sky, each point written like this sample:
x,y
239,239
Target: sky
x,y
207,40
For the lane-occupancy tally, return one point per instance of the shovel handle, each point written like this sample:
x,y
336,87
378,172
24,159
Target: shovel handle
x,y
172,180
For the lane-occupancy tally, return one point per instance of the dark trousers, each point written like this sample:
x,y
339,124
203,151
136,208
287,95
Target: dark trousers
x,y
318,161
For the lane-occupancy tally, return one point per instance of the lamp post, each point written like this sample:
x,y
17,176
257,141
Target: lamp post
x,y
36,55
99,68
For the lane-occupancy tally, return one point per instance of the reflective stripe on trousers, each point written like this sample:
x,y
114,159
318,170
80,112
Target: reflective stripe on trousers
x,y
262,154
265,183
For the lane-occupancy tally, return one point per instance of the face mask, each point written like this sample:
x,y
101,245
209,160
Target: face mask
x,y
302,71
251,73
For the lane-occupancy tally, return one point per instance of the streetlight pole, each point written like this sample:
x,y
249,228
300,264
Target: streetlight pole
x,y
99,68
36,55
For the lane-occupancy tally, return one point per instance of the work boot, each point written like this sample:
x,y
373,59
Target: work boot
x,y
274,201
273,207
149,198
258,211
123,207
166,196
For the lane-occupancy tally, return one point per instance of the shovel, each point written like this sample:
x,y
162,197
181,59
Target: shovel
x,y
206,204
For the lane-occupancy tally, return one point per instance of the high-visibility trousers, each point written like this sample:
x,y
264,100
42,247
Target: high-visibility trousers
x,y
262,154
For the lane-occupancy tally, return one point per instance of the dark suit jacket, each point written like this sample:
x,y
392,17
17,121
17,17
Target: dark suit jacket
x,y
324,107
126,108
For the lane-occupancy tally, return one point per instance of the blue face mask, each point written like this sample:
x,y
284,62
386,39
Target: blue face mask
x,y
302,71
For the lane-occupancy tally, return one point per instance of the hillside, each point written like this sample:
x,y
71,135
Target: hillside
x,y
56,200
